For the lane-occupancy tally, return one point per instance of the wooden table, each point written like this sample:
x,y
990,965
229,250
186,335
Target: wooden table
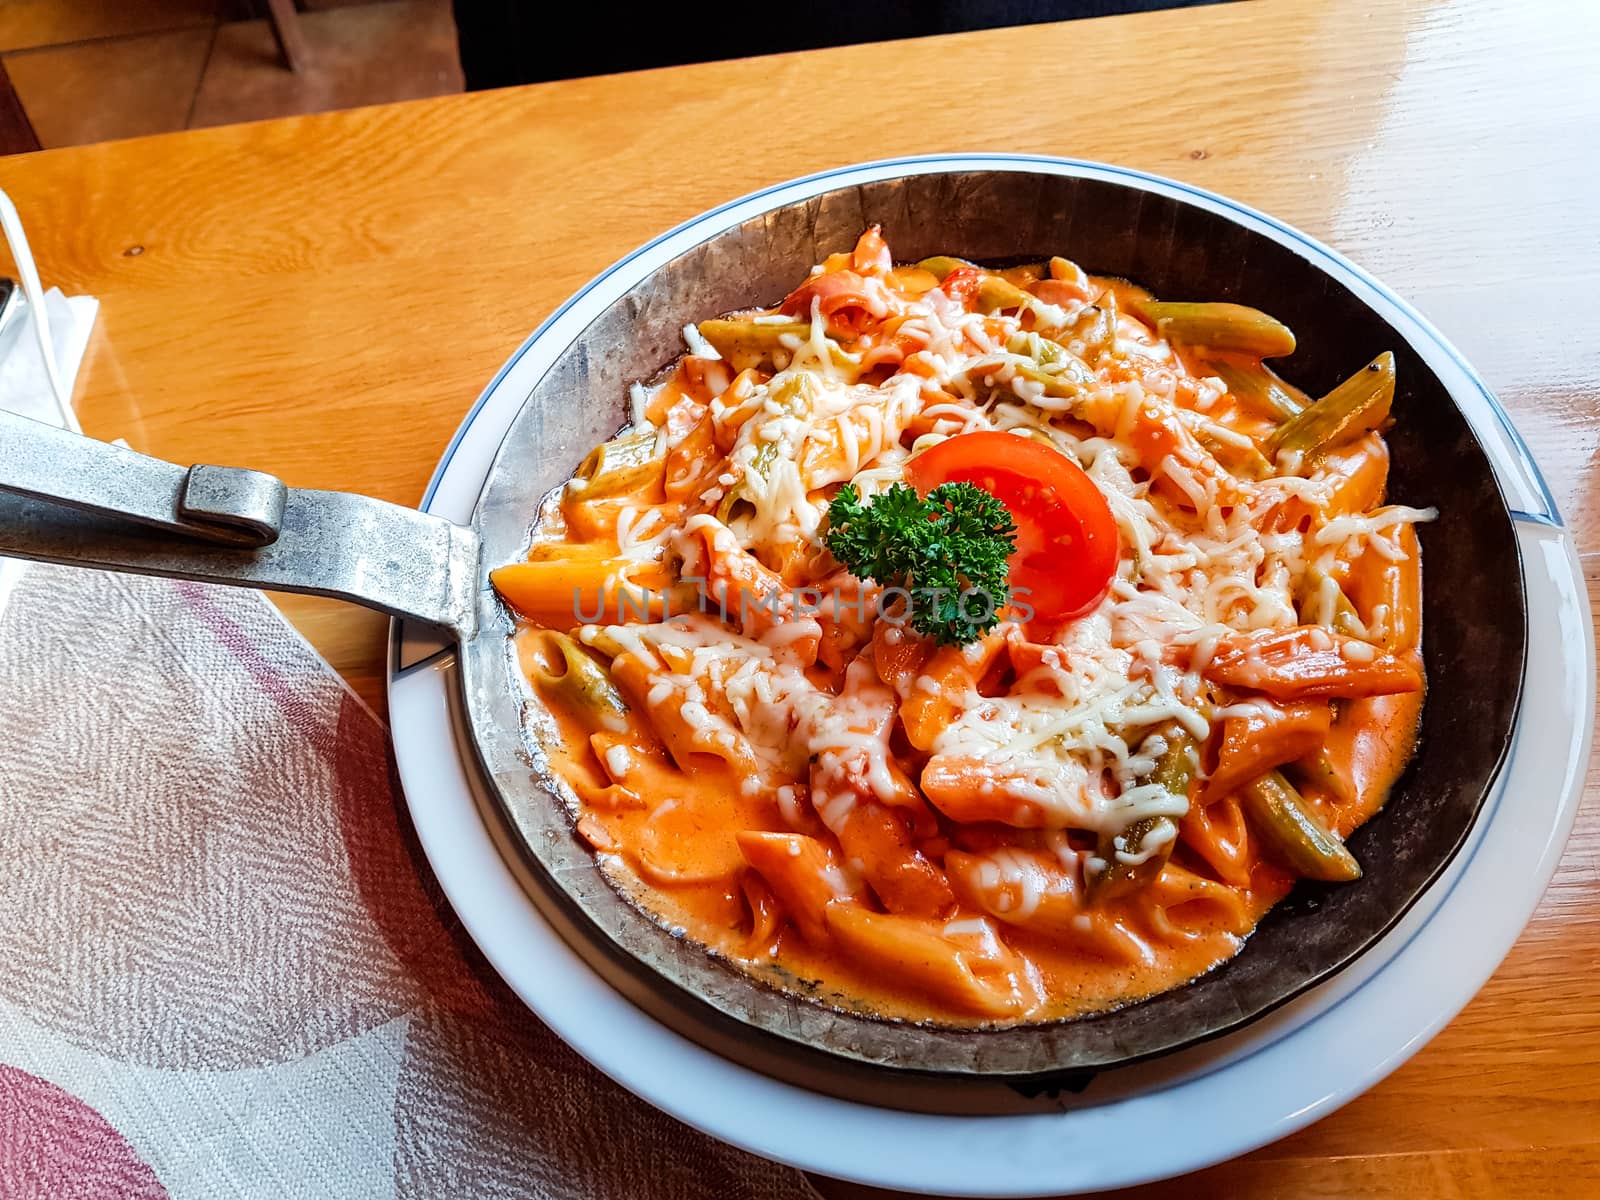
x,y
322,298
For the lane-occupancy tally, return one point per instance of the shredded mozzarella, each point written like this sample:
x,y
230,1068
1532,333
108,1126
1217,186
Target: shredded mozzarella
x,y
1075,737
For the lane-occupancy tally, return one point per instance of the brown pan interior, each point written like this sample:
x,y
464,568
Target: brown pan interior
x,y
1474,615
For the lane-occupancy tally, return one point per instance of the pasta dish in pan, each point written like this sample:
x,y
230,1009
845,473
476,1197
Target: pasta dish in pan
x,y
976,646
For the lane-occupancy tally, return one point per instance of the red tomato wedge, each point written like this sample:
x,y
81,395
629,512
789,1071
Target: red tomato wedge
x,y
962,284
1067,545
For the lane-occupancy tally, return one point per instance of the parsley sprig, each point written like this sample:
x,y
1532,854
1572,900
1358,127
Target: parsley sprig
x,y
948,551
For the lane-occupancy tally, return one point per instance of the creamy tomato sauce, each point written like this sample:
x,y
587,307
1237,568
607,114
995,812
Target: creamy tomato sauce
x,y
1065,815
682,845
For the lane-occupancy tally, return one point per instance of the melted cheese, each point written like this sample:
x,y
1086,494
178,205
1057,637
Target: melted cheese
x,y
1070,742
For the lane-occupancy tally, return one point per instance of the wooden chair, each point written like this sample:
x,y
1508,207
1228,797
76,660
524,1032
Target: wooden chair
x,y
285,22
16,131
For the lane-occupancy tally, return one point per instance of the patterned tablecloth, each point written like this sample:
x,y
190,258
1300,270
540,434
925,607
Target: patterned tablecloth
x,y
226,969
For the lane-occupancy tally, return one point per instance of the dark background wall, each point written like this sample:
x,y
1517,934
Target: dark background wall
x,y
505,42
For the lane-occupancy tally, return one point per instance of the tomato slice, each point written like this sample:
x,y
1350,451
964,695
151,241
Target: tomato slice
x,y
1067,544
962,285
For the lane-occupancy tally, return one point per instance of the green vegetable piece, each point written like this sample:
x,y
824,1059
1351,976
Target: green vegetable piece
x,y
1065,384
747,343
1358,405
1050,355
1318,770
1257,387
583,681
794,395
1220,326
1095,324
1317,589
949,551
995,294
1175,768
620,466
940,265
1292,831
1051,365
1173,771
1245,461
737,499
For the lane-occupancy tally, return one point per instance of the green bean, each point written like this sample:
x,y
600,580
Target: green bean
x,y
1315,589
748,343
595,700
1173,771
1051,365
941,265
995,293
1358,405
1065,384
1095,324
1220,326
1318,770
1246,461
793,395
1048,354
1258,388
620,466
1286,823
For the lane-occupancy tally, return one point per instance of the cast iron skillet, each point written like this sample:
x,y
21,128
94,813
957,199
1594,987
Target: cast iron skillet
x,y
241,527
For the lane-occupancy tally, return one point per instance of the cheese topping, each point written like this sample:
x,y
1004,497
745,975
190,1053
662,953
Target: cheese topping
x,y
956,796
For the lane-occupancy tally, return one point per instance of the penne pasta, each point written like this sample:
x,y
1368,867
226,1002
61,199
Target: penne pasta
x,y
1035,891
627,465
1265,736
802,873
1309,661
940,691
976,645
1231,328
563,593
971,970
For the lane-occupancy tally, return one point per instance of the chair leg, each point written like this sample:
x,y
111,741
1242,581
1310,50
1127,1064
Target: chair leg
x,y
285,24
16,132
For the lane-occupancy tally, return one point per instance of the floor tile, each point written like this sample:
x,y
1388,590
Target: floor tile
x,y
363,54
28,23
124,87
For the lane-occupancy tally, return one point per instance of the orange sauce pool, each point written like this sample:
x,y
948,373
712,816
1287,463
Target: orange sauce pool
x,y
681,845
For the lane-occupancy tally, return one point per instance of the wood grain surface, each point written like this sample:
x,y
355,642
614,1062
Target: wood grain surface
x,y
323,297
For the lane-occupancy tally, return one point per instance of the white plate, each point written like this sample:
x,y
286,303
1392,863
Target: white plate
x,y
1162,1118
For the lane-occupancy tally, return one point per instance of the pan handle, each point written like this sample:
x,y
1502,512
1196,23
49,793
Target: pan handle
x,y
69,499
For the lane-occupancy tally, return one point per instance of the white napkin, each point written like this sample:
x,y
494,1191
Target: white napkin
x,y
24,385
225,971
